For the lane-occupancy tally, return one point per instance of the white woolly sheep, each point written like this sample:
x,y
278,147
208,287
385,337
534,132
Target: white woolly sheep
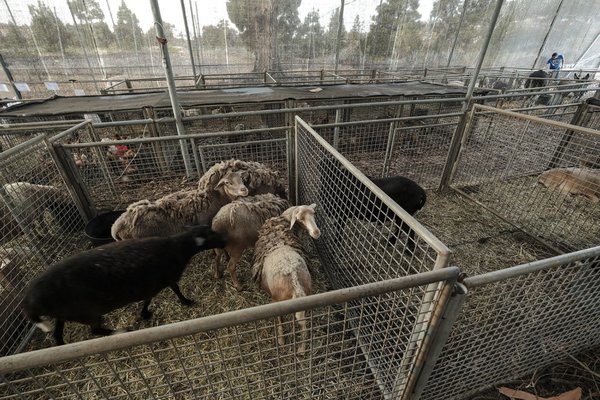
x,y
29,201
171,213
85,286
578,181
258,177
280,261
240,221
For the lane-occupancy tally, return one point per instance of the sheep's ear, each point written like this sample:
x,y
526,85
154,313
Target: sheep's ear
x,y
200,241
221,182
575,75
294,219
313,206
586,77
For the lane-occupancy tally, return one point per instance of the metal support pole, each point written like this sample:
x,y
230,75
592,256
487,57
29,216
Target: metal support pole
x,y
198,38
450,315
10,77
482,52
60,43
547,34
160,36
85,54
461,128
462,18
587,49
338,43
187,35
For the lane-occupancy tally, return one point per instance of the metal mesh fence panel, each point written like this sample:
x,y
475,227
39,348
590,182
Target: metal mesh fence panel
x,y
365,240
235,355
529,171
40,224
517,320
592,117
119,172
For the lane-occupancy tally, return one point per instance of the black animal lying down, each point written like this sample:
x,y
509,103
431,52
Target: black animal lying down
x,y
85,286
353,203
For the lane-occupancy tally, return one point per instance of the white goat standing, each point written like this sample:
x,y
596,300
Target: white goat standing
x,y
280,261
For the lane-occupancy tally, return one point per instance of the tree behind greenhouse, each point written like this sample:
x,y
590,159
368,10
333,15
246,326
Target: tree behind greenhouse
x,y
259,22
47,28
128,28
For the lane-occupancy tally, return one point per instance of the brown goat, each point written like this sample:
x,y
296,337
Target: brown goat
x,y
578,181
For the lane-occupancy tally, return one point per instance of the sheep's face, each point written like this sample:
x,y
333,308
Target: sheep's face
x,y
233,185
305,217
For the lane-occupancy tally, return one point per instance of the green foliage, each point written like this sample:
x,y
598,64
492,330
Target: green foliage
x,y
311,36
396,21
330,41
128,28
46,28
86,11
259,22
214,35
353,51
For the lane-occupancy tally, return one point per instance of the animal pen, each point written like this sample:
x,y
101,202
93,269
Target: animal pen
x,y
387,322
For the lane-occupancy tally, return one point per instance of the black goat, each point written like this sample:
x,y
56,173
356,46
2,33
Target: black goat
x,y
353,202
537,79
85,286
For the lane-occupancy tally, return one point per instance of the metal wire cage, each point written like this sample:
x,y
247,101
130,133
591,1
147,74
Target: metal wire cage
x,y
517,320
231,356
523,168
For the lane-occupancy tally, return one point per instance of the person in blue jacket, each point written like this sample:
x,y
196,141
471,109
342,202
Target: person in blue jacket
x,y
555,62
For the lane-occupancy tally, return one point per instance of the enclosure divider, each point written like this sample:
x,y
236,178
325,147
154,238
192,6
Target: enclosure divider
x,y
450,314
157,149
67,170
455,147
336,130
578,119
57,354
551,247
172,89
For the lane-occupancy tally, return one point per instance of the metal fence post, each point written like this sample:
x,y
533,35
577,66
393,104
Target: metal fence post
x,y
455,146
66,168
451,313
578,119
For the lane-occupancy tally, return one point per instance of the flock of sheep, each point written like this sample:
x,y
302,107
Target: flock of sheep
x,y
155,240
237,205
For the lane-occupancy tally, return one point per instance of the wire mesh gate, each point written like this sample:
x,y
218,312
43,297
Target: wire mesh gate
x,y
517,320
366,238
233,355
41,223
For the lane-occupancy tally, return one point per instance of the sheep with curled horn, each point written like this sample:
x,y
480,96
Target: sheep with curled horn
x,y
240,221
258,177
280,265
168,215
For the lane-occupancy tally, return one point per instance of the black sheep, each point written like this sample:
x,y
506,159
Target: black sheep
x,y
404,191
537,79
85,286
